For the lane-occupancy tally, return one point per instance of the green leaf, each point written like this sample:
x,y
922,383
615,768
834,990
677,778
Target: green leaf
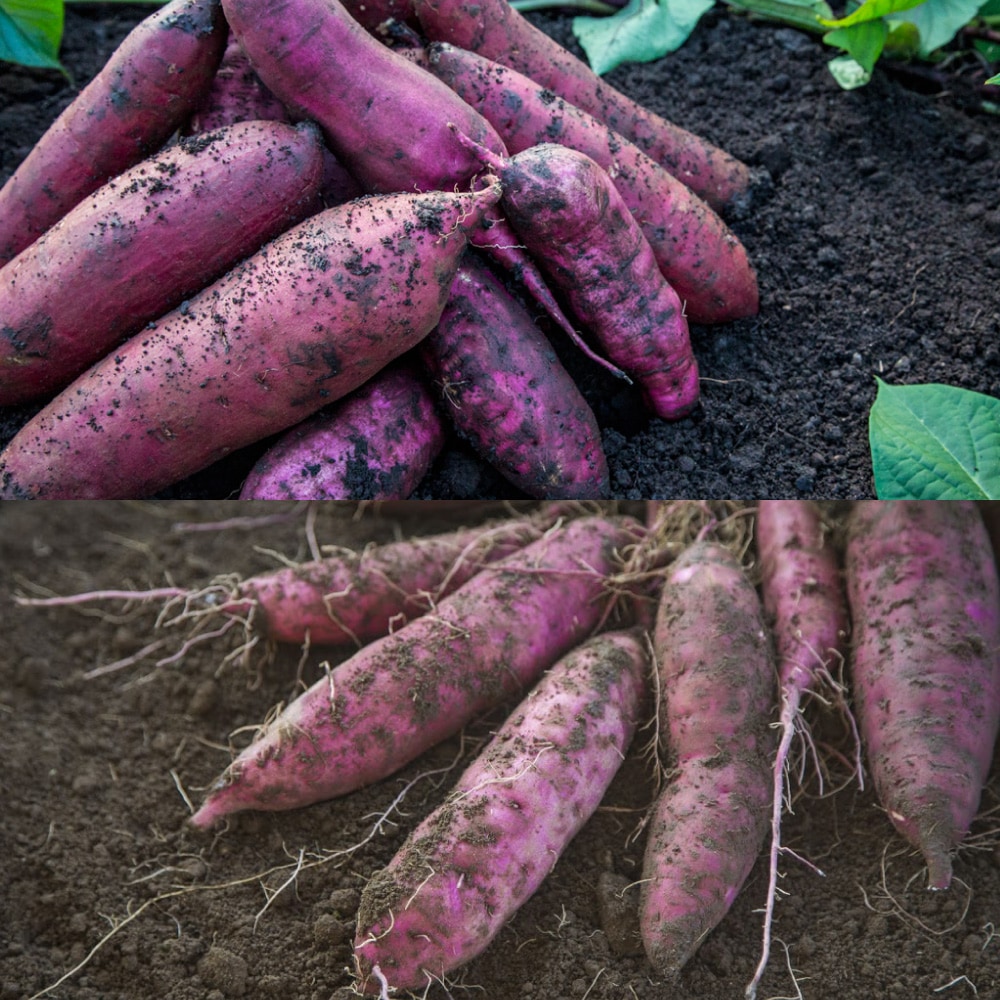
x,y
934,442
862,41
848,72
994,80
31,32
807,15
641,31
938,21
873,10
903,41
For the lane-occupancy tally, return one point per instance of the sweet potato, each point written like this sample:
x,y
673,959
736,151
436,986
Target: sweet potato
x,y
467,868
495,30
573,221
308,318
507,393
716,685
145,91
145,240
804,602
405,692
925,607
236,94
377,444
384,117
696,251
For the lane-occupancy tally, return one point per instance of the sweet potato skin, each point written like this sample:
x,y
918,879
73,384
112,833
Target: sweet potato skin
x,y
353,597
925,608
280,336
403,693
385,118
467,868
716,688
494,29
145,91
506,392
375,445
697,252
145,240
574,221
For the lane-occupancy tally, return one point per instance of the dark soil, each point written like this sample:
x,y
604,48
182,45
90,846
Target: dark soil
x,y
93,832
876,238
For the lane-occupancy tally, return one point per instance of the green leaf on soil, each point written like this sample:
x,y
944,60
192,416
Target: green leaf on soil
x,y
31,32
938,21
863,41
848,72
641,31
808,15
934,442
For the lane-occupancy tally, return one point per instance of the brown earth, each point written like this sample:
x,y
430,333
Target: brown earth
x,y
93,834
876,240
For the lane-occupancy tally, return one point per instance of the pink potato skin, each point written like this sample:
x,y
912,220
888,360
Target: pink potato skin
x,y
802,590
235,94
352,598
497,31
145,240
145,91
377,444
696,251
468,867
574,222
506,392
401,694
925,607
716,689
283,334
385,118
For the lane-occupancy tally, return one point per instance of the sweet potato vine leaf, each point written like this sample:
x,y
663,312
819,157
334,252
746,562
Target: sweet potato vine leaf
x,y
641,31
31,32
934,442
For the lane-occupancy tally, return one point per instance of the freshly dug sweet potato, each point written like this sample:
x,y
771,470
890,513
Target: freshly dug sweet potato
x,y
155,234
506,392
403,693
697,252
376,444
497,31
574,222
716,691
236,94
301,323
925,607
384,117
467,868
146,90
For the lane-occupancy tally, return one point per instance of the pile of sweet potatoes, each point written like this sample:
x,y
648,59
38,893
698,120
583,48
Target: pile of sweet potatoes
x,y
278,203
708,626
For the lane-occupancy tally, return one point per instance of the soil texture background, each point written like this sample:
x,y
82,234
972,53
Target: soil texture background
x,y
876,239
93,832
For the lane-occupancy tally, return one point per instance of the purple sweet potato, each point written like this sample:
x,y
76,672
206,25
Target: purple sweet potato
x,y
139,245
385,118
696,251
301,323
574,222
495,30
925,608
506,392
236,94
716,688
403,693
468,867
376,444
146,90
354,597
